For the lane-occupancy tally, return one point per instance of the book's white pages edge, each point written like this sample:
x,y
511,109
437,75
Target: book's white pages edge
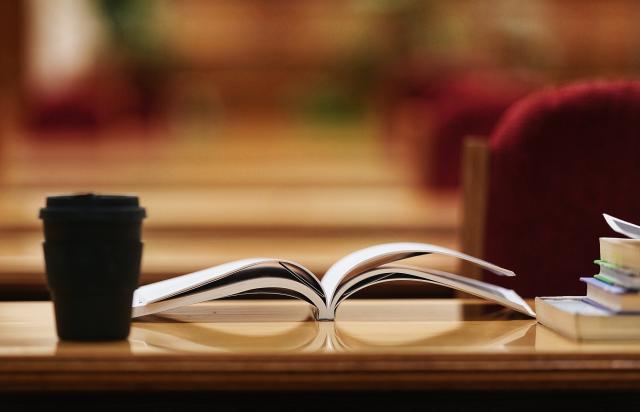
x,y
164,289
277,286
493,293
574,305
364,259
622,226
553,317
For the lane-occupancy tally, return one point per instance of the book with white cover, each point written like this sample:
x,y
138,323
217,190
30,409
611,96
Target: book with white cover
x,y
348,275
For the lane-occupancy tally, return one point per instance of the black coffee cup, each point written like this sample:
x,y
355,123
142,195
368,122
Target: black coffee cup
x,y
92,254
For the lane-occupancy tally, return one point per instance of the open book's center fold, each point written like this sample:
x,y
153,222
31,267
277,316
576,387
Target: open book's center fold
x,y
306,278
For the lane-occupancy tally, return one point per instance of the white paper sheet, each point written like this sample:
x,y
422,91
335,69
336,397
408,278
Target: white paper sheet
x,y
231,290
166,288
493,293
374,256
623,227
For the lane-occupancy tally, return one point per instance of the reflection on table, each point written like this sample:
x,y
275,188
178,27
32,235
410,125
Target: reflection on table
x,y
365,326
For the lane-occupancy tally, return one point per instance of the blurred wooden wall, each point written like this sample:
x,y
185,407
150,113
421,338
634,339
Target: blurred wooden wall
x,y
12,62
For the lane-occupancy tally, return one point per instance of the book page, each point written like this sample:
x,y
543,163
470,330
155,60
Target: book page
x,y
371,257
262,285
623,227
164,289
497,294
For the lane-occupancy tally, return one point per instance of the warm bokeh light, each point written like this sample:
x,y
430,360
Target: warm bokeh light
x,y
299,129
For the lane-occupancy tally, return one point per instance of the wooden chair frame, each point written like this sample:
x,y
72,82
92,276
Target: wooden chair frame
x,y
475,184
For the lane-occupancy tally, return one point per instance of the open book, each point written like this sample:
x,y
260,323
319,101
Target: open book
x,y
348,275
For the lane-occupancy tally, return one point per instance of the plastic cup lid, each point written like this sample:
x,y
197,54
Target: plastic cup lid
x,y
91,206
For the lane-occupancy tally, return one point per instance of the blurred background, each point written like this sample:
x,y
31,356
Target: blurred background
x,y
294,129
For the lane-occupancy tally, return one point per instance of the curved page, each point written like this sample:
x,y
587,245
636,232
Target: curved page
x,y
371,257
165,289
497,294
297,289
622,226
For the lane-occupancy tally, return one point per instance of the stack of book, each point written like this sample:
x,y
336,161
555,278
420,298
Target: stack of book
x,y
611,308
617,286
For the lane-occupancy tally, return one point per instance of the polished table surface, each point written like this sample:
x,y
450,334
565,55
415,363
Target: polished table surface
x,y
274,344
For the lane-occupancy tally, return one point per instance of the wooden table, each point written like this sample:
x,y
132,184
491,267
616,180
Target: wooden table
x,y
274,345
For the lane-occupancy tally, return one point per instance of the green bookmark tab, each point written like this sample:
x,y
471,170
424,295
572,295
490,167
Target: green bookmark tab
x,y
605,279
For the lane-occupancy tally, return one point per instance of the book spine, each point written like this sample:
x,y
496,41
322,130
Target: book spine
x,y
325,314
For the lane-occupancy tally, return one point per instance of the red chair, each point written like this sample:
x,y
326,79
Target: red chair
x,y
536,193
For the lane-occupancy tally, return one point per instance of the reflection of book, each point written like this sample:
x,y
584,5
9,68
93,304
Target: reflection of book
x,y
421,336
348,275
247,337
286,326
